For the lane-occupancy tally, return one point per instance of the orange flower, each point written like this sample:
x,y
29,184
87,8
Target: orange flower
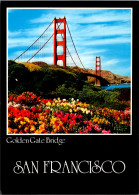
x,y
10,130
42,118
26,130
42,126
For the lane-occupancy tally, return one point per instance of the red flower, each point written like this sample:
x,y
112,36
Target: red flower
x,y
10,98
33,109
80,117
74,117
33,96
71,115
85,122
106,132
73,122
47,111
88,128
67,115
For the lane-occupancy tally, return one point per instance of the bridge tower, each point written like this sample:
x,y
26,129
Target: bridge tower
x,y
97,70
60,43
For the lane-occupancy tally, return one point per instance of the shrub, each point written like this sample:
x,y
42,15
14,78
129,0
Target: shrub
x,y
124,95
18,76
109,96
67,93
46,79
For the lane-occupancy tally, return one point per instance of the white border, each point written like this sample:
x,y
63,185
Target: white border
x,y
57,134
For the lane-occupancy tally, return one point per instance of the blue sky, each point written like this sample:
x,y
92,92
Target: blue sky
x,y
96,32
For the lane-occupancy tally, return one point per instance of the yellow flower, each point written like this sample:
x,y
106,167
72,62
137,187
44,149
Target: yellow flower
x,y
48,103
22,122
26,119
16,120
107,122
32,128
37,131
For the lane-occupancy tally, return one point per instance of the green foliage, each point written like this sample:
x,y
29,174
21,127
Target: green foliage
x,y
51,82
18,77
90,94
109,96
45,80
67,93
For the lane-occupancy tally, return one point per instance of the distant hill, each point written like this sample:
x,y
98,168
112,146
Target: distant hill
x,y
111,77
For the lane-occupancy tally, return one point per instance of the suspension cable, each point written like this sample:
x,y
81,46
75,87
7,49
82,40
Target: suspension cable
x,y
42,46
34,41
74,45
71,56
68,50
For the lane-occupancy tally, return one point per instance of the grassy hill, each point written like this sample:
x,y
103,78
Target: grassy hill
x,y
42,77
108,75
55,81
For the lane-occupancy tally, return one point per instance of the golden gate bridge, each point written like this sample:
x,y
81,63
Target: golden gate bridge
x,y
40,49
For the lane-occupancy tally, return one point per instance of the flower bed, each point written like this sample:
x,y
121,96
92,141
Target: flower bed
x,y
29,114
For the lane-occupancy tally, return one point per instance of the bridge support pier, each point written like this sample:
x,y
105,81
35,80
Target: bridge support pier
x,y
97,71
60,43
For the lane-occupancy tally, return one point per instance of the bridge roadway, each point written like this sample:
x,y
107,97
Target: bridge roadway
x,y
103,81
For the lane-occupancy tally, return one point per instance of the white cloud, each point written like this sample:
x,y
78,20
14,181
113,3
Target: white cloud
x,y
111,62
118,40
90,16
95,30
13,34
19,42
94,51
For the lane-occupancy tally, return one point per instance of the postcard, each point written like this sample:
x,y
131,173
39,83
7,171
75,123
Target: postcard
x,y
69,98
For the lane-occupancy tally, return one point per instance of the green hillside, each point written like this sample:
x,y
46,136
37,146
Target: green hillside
x,y
55,81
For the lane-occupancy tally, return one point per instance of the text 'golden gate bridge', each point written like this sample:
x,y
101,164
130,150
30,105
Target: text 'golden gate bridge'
x,y
39,46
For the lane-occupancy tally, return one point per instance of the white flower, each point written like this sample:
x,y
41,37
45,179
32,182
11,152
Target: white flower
x,y
16,105
9,104
87,111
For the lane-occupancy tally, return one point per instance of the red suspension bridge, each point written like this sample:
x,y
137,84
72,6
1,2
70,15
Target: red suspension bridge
x,y
40,49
